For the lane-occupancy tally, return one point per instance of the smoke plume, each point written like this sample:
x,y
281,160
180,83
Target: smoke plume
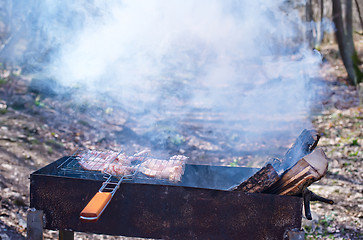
x,y
243,62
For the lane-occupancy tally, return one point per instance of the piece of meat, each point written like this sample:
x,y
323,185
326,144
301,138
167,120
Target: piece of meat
x,y
118,169
94,160
171,169
99,161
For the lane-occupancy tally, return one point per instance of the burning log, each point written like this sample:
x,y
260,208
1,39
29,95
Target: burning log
x,y
295,181
260,181
307,170
305,143
301,166
268,176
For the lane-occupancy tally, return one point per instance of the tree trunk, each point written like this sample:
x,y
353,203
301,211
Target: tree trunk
x,y
310,21
359,15
344,36
321,37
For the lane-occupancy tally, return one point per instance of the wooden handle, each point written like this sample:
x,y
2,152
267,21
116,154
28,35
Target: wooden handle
x,y
95,207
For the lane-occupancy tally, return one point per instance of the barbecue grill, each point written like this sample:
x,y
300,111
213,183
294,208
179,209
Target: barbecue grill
x,y
198,207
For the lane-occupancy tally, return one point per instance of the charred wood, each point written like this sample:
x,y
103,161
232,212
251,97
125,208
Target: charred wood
x,y
307,170
260,181
305,143
267,178
303,164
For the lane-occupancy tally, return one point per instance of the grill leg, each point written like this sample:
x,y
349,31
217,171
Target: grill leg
x,y
66,235
35,224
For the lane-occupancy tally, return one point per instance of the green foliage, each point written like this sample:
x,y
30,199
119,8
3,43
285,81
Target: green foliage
x,y
3,111
307,229
355,142
34,141
50,150
234,163
346,164
320,231
3,81
38,103
353,154
54,143
177,139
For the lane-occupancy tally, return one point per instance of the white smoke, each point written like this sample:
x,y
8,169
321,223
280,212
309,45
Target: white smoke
x,y
244,59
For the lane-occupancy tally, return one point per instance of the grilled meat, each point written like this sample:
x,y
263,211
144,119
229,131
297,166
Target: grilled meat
x,y
100,161
171,169
120,164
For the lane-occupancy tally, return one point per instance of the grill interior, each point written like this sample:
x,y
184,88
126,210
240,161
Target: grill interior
x,y
199,176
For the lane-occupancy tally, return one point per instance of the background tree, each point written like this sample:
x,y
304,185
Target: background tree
x,y
359,15
344,37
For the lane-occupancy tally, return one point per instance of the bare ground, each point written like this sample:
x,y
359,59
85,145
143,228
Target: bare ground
x,y
35,131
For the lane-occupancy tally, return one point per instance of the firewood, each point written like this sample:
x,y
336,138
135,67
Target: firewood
x,y
307,170
305,143
260,181
268,177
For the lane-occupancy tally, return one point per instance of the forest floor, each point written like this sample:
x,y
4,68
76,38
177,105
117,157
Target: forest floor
x,y
35,130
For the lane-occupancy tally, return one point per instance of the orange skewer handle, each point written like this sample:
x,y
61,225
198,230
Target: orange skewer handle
x,y
95,207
